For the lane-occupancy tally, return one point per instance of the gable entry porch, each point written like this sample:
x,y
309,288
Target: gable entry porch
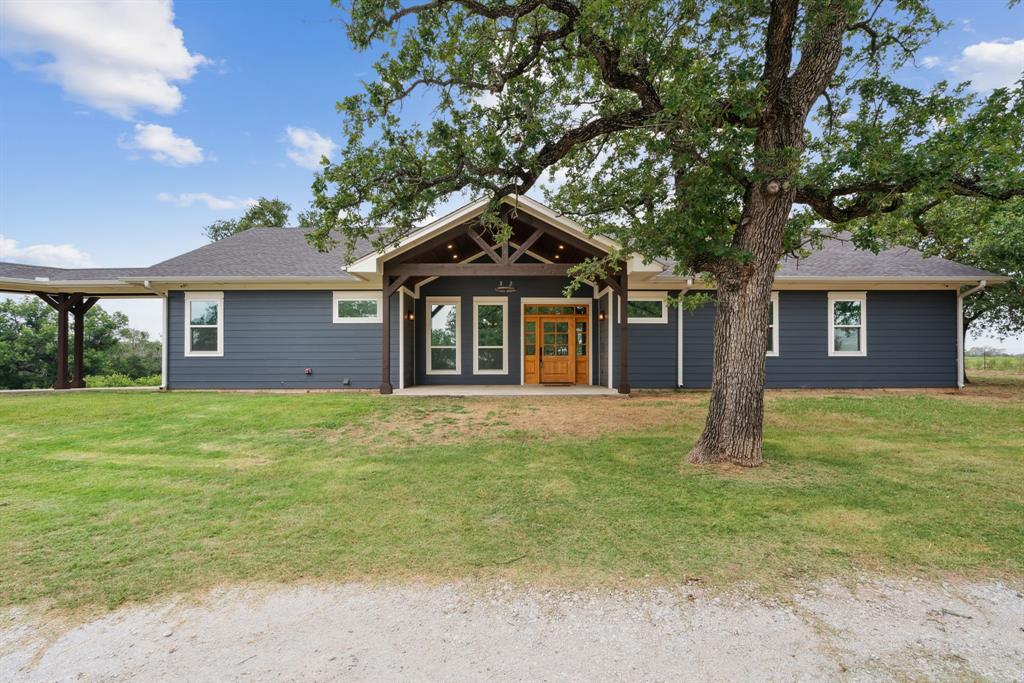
x,y
473,311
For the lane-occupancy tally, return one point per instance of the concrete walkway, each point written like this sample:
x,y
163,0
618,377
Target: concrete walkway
x,y
506,390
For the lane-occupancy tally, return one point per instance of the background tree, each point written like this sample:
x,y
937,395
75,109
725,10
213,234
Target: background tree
x,y
265,213
980,233
687,130
28,345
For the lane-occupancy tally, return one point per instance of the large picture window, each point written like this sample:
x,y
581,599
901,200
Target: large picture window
x,y
443,336
357,307
490,335
647,307
847,324
773,325
204,324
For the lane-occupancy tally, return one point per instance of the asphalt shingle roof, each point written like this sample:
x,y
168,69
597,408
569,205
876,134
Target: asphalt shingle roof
x,y
838,257
284,252
258,252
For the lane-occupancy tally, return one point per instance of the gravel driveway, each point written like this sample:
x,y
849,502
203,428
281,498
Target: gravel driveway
x,y
877,630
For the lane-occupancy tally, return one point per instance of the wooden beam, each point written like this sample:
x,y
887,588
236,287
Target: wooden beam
x,y
527,243
482,243
394,286
624,387
504,253
480,269
561,235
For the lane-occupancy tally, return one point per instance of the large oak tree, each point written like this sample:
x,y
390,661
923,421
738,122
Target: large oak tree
x,y
716,134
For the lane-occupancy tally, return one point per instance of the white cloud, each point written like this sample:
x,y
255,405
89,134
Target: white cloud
x,y
307,146
187,199
113,55
163,145
53,255
931,62
990,64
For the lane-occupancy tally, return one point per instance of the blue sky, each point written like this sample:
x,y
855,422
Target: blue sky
x,y
125,127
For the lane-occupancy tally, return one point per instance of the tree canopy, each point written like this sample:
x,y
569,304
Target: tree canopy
x,y
265,213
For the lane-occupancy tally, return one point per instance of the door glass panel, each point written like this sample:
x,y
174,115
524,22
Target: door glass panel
x,y
531,338
556,338
581,338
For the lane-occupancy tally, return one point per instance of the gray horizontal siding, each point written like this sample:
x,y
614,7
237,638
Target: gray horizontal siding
x,y
911,342
270,337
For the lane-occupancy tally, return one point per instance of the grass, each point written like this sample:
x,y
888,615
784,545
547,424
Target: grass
x,y
107,498
998,363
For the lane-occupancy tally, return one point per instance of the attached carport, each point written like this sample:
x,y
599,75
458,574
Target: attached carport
x,y
71,293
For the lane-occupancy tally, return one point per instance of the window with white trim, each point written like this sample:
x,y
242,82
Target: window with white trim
x,y
647,307
357,307
204,324
490,335
773,325
847,324
443,349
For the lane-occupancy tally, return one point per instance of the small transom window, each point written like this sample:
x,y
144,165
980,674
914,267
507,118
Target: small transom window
x,y
647,307
357,307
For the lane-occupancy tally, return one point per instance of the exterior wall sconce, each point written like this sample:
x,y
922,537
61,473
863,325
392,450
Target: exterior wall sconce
x,y
601,315
410,316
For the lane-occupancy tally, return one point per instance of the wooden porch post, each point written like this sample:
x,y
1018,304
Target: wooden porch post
x,y
61,380
624,332
80,308
389,286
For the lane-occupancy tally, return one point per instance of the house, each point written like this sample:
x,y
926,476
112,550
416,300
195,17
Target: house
x,y
263,309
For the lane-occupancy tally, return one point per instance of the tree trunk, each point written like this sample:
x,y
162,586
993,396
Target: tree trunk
x,y
733,431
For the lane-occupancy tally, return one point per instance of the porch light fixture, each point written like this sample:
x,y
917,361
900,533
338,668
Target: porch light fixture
x,y
600,315
561,247
410,315
556,255
451,246
455,257
505,289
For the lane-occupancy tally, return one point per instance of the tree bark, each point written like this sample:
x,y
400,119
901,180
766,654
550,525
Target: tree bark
x,y
733,431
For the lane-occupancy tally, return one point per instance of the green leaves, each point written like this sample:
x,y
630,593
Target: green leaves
x,y
265,213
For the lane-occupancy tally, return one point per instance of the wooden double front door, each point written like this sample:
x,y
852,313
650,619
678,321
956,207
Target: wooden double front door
x,y
556,345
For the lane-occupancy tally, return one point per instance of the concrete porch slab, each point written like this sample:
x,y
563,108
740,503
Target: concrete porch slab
x,y
505,390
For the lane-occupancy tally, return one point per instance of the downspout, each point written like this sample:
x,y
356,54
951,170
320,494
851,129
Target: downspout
x,y
163,337
960,331
679,333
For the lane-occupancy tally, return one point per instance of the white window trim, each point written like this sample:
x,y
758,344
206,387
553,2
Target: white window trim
x,y
355,295
490,301
649,296
441,300
861,297
775,326
204,296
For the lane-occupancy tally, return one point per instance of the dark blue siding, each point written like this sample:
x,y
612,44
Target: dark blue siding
x,y
467,288
270,337
911,342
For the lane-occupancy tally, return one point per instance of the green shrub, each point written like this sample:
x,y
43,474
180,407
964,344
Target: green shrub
x,y
121,380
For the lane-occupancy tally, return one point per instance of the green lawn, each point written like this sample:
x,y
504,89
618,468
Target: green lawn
x,y
110,497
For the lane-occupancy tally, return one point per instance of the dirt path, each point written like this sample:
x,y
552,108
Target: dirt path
x,y
879,630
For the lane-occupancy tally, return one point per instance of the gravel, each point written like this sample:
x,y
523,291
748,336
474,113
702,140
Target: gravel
x,y
873,629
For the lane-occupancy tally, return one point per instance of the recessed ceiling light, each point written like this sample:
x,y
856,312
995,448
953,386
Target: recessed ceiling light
x,y
561,246
451,246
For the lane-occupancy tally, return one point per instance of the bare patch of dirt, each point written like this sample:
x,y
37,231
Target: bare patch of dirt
x,y
443,421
